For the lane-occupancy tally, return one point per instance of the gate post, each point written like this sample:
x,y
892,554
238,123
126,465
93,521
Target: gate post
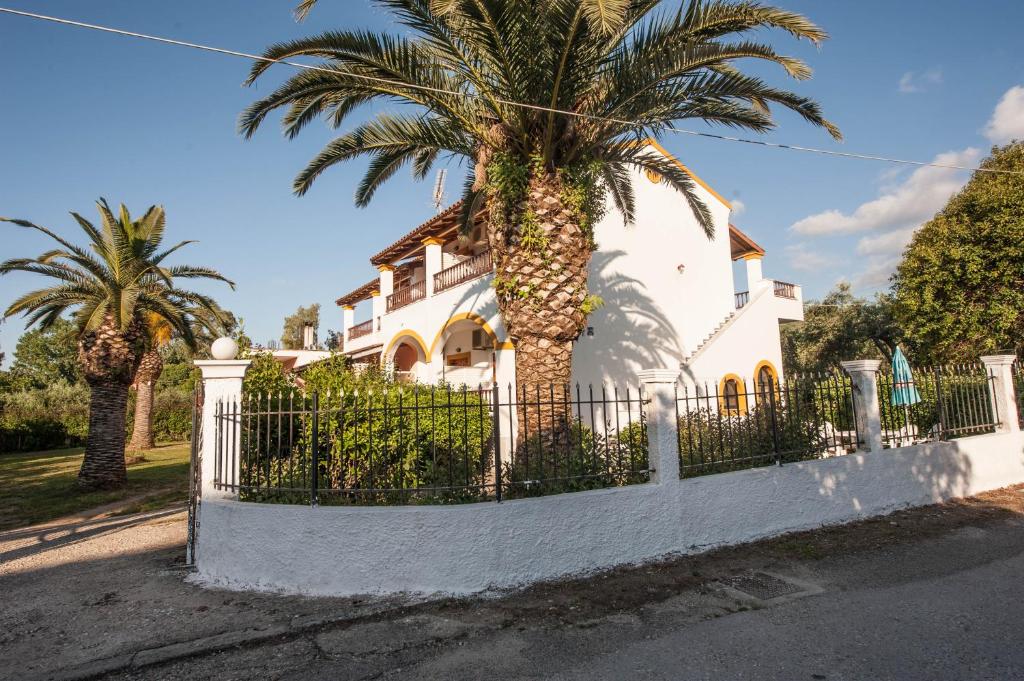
x,y
662,426
222,387
864,376
999,375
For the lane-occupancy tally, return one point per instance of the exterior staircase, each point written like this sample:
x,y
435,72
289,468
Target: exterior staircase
x,y
725,323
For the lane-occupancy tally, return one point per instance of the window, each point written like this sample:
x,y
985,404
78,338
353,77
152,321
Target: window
x,y
731,395
460,359
766,380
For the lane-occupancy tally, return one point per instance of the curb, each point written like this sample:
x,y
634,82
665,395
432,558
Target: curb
x,y
206,645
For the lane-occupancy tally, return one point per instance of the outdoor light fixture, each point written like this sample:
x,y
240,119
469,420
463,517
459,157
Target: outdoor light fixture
x,y
680,268
590,331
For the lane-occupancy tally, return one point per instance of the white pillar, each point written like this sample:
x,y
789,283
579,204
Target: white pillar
x,y
864,376
378,309
222,386
387,280
1003,396
659,387
754,274
431,262
348,316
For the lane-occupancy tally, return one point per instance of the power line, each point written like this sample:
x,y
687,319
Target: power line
x,y
456,93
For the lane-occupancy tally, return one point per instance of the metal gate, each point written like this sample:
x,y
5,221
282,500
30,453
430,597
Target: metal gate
x,y
194,475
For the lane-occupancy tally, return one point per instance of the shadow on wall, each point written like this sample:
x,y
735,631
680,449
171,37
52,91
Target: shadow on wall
x,y
922,474
631,332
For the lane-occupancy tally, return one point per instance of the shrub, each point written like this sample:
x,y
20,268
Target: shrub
x,y
379,441
575,460
44,418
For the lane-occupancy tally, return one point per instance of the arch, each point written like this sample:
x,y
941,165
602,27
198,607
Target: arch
x,y
725,394
401,337
765,366
469,316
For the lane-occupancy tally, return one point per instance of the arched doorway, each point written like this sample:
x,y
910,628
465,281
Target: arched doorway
x,y
465,352
407,357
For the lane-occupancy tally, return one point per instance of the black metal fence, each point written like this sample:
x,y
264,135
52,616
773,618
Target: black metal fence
x,y
945,402
738,424
413,444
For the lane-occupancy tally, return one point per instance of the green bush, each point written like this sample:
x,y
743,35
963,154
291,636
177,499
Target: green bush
x,y
44,418
378,441
713,443
575,460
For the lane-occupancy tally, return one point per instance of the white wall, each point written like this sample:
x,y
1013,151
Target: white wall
x,y
653,315
752,336
474,547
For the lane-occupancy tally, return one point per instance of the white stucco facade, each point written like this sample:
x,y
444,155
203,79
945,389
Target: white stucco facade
x,y
670,300
475,547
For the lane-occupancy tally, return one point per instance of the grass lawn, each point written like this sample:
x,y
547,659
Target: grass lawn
x,y
40,486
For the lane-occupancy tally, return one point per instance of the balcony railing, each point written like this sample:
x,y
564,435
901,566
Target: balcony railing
x,y
360,330
467,270
742,298
784,290
407,295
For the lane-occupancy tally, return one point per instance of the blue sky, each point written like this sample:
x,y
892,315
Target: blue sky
x,y
86,114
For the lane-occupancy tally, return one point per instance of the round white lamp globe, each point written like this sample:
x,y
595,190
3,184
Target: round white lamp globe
x,y
224,348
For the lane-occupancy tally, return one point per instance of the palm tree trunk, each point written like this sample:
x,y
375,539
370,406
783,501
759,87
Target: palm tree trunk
x,y
103,466
109,358
541,258
145,385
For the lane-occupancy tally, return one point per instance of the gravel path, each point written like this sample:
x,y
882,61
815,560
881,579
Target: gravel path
x,y
86,588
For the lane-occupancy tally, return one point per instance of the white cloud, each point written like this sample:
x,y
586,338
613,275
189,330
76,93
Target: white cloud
x,y
904,205
912,82
1007,122
738,208
876,273
803,259
888,243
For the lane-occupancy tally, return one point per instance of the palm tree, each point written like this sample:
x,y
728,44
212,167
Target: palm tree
x,y
159,334
111,286
548,101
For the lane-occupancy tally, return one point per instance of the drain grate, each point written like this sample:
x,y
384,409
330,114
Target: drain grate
x,y
762,586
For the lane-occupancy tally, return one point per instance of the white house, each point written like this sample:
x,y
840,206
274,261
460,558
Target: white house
x,y
669,301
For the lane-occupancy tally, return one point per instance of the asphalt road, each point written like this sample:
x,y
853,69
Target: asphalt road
x,y
942,605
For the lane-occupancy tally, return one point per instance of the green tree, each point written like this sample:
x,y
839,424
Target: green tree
x,y
205,325
838,328
44,356
960,287
111,286
624,72
291,336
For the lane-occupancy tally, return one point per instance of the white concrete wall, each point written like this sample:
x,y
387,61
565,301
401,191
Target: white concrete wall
x,y
653,314
470,548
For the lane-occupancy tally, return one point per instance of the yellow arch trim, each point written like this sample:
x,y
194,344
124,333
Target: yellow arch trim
x,y
654,143
757,373
741,396
475,318
412,335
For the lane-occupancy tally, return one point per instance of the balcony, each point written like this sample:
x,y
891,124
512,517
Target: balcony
x,y
406,296
360,330
467,270
742,298
785,290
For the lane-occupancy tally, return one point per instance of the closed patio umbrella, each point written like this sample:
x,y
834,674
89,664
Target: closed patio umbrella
x,y
903,391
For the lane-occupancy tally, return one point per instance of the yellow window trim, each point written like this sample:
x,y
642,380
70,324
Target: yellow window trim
x,y
757,377
741,397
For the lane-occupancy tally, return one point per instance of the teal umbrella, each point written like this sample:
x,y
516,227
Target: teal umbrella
x,y
903,391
